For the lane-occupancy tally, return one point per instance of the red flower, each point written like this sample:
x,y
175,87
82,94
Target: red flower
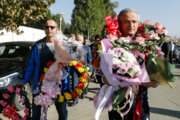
x,y
49,63
146,55
84,75
80,85
42,77
141,28
74,94
78,65
84,63
10,112
96,63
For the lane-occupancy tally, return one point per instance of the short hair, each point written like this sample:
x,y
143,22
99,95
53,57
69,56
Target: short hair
x,y
97,36
81,37
126,10
52,20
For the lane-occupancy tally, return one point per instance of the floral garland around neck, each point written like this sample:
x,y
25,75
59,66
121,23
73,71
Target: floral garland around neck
x,y
84,73
9,110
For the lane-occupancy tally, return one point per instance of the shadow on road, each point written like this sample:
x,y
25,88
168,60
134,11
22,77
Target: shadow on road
x,y
167,112
93,90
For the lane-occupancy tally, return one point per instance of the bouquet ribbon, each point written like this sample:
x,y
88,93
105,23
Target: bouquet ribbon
x,y
138,109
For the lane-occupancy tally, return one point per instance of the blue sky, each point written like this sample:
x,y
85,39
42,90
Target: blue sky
x,y
166,12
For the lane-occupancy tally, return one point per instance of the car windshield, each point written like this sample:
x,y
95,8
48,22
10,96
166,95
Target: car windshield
x,y
13,55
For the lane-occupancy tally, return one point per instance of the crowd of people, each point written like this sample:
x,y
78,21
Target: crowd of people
x,y
44,52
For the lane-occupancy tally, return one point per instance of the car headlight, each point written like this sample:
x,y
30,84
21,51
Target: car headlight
x,y
7,80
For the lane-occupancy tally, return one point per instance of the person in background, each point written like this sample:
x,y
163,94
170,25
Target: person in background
x,y
171,50
96,71
88,61
73,72
73,36
165,49
42,53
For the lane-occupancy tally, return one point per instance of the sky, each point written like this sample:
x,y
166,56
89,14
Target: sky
x,y
166,12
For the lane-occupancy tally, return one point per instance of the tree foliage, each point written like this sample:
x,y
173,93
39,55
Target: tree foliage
x,y
21,12
89,16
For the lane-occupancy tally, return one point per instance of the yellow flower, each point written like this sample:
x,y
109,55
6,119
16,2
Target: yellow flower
x,y
74,62
70,64
45,70
99,47
61,98
85,84
82,79
87,68
79,91
67,96
81,70
89,73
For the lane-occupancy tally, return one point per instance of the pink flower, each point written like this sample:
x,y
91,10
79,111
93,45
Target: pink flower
x,y
154,36
161,31
18,91
5,96
10,89
26,111
3,103
160,53
158,26
148,22
140,40
22,100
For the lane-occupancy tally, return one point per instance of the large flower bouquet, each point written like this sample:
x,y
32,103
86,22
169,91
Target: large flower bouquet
x,y
128,62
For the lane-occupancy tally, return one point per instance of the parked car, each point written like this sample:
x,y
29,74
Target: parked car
x,y
177,53
13,61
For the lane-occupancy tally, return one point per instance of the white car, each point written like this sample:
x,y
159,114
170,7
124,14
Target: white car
x,y
13,60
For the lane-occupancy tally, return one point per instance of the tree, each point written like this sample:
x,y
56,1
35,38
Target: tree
x,y
21,12
89,16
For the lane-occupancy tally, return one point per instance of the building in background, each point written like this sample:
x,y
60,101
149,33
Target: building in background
x,y
29,34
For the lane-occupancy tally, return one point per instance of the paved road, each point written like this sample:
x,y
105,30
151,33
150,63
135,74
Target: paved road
x,y
164,102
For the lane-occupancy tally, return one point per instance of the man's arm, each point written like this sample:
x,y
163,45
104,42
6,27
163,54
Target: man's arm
x,y
30,68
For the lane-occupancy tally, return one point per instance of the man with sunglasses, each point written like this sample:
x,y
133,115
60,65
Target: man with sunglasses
x,y
42,53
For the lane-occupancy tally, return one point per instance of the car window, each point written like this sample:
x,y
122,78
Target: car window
x,y
13,55
2,48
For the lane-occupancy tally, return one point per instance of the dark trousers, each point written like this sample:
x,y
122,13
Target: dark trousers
x,y
60,107
99,79
171,57
113,115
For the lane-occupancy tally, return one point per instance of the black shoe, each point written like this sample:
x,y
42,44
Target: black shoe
x,y
82,96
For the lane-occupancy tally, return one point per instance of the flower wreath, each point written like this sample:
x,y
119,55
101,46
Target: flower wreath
x,y
84,73
10,111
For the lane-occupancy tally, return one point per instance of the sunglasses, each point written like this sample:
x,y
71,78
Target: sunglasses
x,y
52,27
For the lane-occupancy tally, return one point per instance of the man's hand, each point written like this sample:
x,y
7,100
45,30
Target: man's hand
x,y
149,84
20,85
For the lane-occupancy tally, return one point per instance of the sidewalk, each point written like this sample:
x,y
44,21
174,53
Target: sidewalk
x,y
164,102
